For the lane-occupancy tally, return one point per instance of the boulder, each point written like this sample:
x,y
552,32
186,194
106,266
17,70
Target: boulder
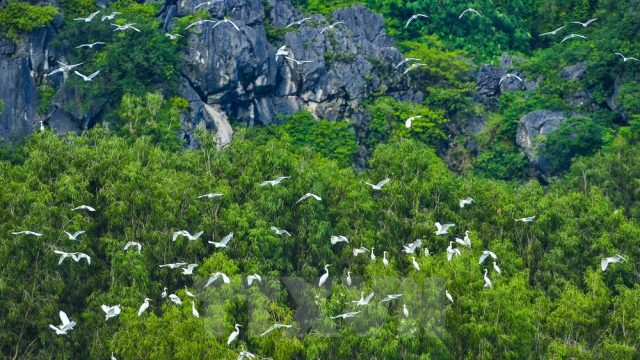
x,y
531,127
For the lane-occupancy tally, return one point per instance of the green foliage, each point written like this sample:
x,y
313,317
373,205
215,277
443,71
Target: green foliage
x,y
17,18
323,7
46,96
575,137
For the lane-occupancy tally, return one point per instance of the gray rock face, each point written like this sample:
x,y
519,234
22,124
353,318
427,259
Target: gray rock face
x,y
531,127
573,72
488,79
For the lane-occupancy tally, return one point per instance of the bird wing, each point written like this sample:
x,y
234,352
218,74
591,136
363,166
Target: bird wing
x,y
493,255
64,318
482,257
84,77
234,24
91,77
604,263
90,17
383,182
75,234
105,308
590,21
368,298
225,240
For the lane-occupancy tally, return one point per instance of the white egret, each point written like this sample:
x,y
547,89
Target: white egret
x,y
275,182
604,263
26,232
186,234
200,22
412,67
391,297
110,16
411,248
584,24
188,270
63,255
404,61
554,31
443,229
275,327
110,311
63,68
414,17
348,280
337,239
466,201
133,244
309,195
509,76
206,3
298,62
216,276
426,252
84,207
324,276
496,268
189,293
385,262
298,22
41,125
405,311
125,27
485,254
88,18
172,36
87,77
364,301
223,243
346,315
452,251
252,278
234,334
360,250
75,235
194,311
572,36
79,256
526,219
487,281
175,299
470,10
228,21
91,45
446,293
65,326
173,265
331,27
280,231
625,59
372,256
246,355
466,241
379,185
409,121
415,263
164,293
144,306
113,357
210,195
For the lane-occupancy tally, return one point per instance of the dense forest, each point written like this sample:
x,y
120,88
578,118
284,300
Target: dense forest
x,y
540,262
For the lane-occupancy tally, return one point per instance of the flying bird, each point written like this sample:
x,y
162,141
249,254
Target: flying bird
x,y
234,334
572,36
65,326
223,243
173,265
527,219
125,27
485,254
275,182
200,22
309,195
508,76
89,77
246,355
443,229
75,235
363,300
63,68
26,232
470,10
584,24
144,306
404,61
63,255
554,31
466,201
84,207
252,278
331,27
409,121
110,311
79,256
133,244
379,185
360,250
172,36
324,276
604,263
206,3
346,315
186,234
210,195
225,20
275,327
391,297
299,22
110,16
280,231
625,59
451,251
90,46
88,18
175,299
413,66
216,276
188,270
298,62
337,239
413,17
411,248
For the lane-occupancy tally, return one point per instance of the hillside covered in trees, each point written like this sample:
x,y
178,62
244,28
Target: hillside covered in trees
x,y
138,203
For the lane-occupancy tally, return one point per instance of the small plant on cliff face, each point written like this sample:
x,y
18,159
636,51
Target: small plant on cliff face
x,y
17,18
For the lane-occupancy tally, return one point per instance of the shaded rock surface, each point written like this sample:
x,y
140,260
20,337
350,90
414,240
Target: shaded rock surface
x,y
531,127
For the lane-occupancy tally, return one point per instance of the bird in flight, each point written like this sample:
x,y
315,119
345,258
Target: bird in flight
x,y
90,46
252,278
443,229
572,36
309,195
411,248
216,276
186,234
172,36
275,327
75,235
206,3
379,185
188,270
346,315
604,263
470,10
84,207
87,78
133,244
363,300
404,61
625,59
66,325
26,232
298,62
173,265
360,250
280,231
331,27
200,22
110,311
466,241
88,18
63,68
340,238
413,66
485,254
299,22
110,16
175,299
275,182
554,31
452,251
125,27
210,196
464,202
223,243
527,219
413,17
409,121
225,20
391,297
508,76
584,24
